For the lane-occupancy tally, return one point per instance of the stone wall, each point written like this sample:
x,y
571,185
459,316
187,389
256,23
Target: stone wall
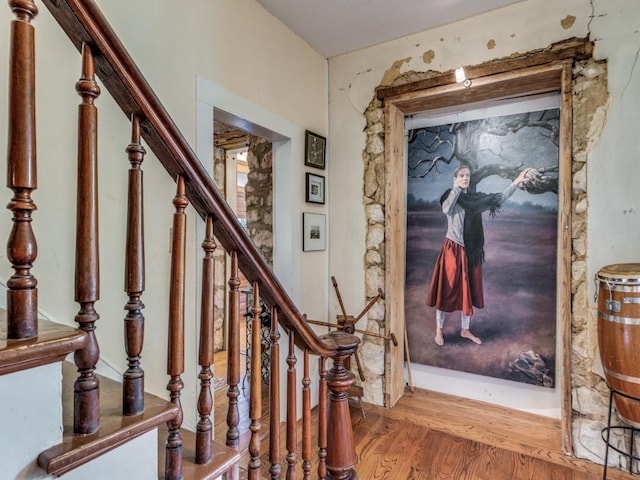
x,y
589,391
259,216
220,280
259,195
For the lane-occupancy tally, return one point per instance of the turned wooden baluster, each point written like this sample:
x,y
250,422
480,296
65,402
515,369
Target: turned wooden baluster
x,y
255,406
274,399
341,452
87,274
175,361
306,418
22,249
292,439
204,430
133,378
233,354
322,421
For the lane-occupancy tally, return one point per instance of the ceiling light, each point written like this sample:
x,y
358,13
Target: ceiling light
x,y
461,77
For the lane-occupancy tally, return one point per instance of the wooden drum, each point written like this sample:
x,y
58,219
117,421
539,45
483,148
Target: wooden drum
x,y
619,334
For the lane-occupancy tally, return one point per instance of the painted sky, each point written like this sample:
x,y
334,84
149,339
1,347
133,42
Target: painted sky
x,y
527,147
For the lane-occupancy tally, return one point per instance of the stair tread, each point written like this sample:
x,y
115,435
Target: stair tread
x,y
115,429
223,457
52,344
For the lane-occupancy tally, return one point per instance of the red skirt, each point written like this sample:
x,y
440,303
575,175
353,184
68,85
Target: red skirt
x,y
454,285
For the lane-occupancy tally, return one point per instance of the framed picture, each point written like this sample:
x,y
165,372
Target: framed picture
x,y
314,232
314,150
517,278
315,188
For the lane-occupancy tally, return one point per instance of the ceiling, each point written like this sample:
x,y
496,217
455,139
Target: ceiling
x,y
334,27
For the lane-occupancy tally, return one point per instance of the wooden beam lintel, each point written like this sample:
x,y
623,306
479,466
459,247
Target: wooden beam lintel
x,y
573,48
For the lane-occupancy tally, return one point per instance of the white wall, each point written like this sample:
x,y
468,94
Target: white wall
x,y
614,172
525,26
32,412
233,44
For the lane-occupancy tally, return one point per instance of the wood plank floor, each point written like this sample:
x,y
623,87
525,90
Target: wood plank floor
x,y
431,436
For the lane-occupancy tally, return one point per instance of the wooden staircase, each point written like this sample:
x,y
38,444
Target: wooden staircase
x,y
53,344
101,416
115,429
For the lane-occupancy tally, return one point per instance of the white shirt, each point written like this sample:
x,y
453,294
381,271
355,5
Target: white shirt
x,y
455,213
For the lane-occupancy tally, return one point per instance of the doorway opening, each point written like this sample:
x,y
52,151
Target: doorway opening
x,y
243,172
398,107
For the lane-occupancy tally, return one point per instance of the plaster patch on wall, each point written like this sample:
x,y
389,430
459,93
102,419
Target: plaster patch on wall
x,y
428,56
597,125
592,99
394,72
567,22
491,44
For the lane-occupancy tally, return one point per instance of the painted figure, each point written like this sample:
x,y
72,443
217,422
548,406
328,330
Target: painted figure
x,y
456,283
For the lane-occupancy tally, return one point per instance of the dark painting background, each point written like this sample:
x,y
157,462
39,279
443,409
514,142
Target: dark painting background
x,y
519,281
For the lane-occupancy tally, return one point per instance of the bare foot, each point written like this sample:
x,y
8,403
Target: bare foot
x,y
439,337
470,336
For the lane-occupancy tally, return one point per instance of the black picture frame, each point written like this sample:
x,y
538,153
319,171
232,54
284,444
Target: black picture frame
x,y
314,188
315,148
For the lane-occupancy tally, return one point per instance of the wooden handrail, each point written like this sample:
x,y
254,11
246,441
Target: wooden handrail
x,y
84,23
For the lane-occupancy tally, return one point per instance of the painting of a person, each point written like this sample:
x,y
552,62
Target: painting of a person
x,y
456,283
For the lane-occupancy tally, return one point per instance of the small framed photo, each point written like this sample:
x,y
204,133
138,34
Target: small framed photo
x,y
315,148
314,232
315,188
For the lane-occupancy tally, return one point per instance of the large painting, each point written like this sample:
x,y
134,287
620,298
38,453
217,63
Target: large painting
x,y
482,211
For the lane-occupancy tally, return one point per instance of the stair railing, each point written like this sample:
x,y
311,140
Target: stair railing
x,y
104,55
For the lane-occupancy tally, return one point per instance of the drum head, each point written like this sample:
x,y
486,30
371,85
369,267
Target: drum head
x,y
620,273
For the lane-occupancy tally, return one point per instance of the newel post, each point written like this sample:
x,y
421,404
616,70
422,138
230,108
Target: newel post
x,y
341,451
